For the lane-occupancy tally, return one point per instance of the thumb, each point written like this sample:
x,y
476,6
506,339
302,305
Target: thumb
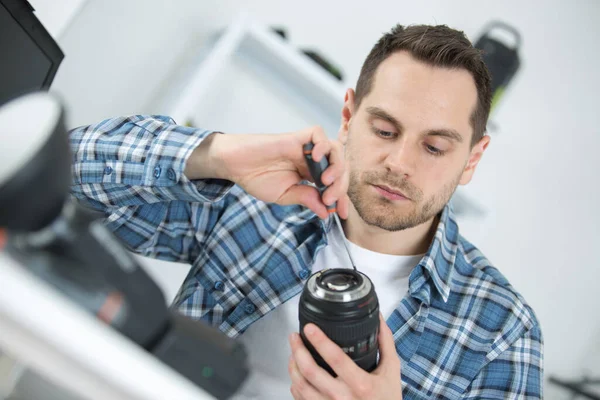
x,y
306,195
387,346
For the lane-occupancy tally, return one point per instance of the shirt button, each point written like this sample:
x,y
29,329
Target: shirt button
x,y
249,308
171,174
107,170
157,172
219,286
303,274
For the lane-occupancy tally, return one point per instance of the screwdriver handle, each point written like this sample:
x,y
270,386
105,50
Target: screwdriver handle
x,y
316,170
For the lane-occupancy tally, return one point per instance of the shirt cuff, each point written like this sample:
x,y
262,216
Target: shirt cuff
x,y
165,165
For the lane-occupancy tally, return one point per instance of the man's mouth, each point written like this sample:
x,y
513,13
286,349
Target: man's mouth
x,y
389,193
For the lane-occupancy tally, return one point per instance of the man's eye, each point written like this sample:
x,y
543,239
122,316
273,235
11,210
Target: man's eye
x,y
434,150
384,134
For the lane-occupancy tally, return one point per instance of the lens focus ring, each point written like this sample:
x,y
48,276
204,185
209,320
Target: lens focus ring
x,y
343,331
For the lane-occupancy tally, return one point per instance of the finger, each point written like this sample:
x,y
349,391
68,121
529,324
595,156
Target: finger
x,y
387,347
344,201
314,135
320,379
335,192
302,169
322,149
295,394
338,174
301,388
334,356
335,171
343,205
306,195
318,137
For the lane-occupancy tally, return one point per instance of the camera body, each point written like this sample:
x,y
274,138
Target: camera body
x,y
69,248
343,304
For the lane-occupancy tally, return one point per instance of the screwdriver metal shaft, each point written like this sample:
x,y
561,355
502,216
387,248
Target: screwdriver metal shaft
x,y
339,224
316,170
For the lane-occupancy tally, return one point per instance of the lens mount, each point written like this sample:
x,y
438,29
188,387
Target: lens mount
x,y
339,285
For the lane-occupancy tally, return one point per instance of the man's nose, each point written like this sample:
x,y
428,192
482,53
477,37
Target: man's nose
x,y
401,158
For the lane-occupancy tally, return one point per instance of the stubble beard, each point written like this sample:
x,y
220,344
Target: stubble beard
x,y
390,215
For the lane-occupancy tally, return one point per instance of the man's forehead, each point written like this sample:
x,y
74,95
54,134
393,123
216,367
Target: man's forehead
x,y
402,68
443,96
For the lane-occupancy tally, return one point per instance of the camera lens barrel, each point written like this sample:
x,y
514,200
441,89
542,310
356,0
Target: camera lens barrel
x,y
343,304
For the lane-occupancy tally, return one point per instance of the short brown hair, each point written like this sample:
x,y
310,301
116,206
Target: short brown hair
x,y
439,46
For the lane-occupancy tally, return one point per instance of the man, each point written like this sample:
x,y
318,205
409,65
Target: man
x,y
234,207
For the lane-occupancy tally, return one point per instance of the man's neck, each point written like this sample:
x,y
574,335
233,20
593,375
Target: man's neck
x,y
407,242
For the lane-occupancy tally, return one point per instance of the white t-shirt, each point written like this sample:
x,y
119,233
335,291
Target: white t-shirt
x,y
266,340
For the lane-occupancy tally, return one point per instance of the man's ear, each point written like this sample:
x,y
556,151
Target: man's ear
x,y
347,113
474,158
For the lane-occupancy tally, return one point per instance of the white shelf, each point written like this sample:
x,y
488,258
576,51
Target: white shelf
x,y
299,79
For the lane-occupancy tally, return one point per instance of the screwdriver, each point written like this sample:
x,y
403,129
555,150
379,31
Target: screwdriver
x,y
316,170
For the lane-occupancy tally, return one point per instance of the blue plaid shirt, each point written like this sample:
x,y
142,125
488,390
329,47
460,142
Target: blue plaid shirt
x,y
461,332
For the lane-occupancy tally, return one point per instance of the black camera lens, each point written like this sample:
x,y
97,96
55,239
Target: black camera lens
x,y
343,304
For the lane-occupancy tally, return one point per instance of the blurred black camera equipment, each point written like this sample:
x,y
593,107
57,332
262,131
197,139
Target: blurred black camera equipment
x,y
500,56
70,249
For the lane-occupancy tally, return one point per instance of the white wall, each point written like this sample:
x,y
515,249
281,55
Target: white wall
x,y
539,177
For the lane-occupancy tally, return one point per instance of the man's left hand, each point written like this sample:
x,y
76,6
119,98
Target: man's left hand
x,y
309,381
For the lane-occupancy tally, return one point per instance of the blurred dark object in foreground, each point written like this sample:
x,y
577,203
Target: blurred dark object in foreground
x,y
579,388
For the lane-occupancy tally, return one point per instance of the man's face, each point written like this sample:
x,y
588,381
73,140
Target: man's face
x,y
408,146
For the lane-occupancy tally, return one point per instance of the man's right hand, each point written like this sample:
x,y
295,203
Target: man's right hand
x,y
271,166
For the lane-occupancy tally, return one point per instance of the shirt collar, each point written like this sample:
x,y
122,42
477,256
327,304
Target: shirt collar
x,y
438,263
